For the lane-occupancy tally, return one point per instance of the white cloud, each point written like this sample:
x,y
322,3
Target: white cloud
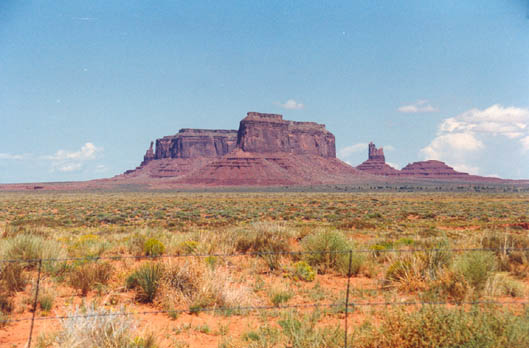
x,y
9,156
69,167
461,139
510,122
394,165
291,104
388,148
69,161
525,143
88,151
418,106
349,150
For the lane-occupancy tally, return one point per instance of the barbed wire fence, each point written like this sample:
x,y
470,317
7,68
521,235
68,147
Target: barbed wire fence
x,y
346,307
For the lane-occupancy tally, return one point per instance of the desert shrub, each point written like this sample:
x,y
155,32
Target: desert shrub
x,y
6,302
261,237
94,327
476,266
153,247
442,327
46,300
328,249
4,319
303,271
31,247
86,276
89,246
187,247
302,331
280,296
146,279
265,337
196,285
405,273
449,285
501,284
12,277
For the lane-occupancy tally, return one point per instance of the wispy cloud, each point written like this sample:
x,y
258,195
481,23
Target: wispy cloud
x,y
10,156
85,19
418,106
291,104
70,161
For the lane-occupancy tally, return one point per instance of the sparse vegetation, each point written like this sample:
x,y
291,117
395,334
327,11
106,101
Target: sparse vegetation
x,y
263,233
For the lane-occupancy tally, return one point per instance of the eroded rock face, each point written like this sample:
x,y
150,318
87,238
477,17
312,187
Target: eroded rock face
x,y
269,133
376,163
192,143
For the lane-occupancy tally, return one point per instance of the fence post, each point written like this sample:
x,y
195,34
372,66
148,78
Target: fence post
x,y
347,296
35,301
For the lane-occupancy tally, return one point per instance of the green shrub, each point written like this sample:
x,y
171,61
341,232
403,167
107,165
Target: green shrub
x,y
476,266
328,249
153,247
146,279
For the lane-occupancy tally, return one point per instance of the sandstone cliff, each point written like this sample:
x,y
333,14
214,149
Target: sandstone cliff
x,y
262,133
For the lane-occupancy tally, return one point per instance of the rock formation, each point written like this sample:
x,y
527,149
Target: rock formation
x,y
431,168
376,163
266,150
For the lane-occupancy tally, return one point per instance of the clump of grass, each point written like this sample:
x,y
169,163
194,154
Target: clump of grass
x,y
501,284
442,327
86,276
146,279
329,250
280,295
153,247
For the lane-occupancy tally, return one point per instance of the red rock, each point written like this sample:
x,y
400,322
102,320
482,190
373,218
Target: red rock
x,y
376,163
431,168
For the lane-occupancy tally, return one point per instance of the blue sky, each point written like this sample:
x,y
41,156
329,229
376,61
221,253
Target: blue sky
x,y
86,85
